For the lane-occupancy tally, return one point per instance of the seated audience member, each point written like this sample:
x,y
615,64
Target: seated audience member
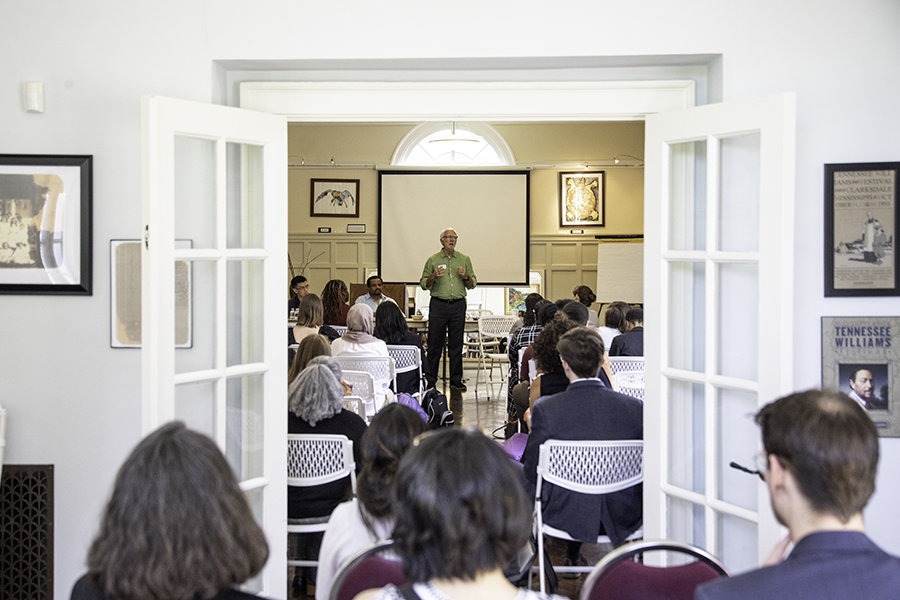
x,y
161,538
390,326
374,298
309,319
526,317
586,296
464,516
299,288
311,347
821,456
359,522
614,322
586,410
314,402
359,341
334,300
551,378
544,315
630,343
519,340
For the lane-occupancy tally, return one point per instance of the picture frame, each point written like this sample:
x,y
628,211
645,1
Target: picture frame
x,y
582,199
125,295
46,224
861,357
861,222
334,198
514,297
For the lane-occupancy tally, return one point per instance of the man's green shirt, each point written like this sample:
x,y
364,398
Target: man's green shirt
x,y
450,285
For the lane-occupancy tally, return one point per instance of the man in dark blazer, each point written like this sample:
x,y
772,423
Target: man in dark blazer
x,y
821,454
630,343
587,410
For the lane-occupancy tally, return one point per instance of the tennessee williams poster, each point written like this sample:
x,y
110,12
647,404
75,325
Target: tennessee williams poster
x,y
860,358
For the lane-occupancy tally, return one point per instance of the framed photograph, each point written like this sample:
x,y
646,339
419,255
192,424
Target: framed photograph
x,y
334,198
45,224
861,220
125,295
860,358
515,298
582,199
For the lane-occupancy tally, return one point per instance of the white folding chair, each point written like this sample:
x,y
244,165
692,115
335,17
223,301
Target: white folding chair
x,y
628,375
354,404
341,329
587,467
362,385
315,460
626,363
406,359
381,367
491,329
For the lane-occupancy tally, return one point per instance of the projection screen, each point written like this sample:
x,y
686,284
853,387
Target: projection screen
x,y
488,209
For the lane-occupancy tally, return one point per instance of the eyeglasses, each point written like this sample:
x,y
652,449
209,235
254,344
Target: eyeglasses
x,y
761,460
450,237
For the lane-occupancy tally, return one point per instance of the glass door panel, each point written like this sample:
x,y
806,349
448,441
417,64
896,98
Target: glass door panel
x,y
739,193
686,305
687,196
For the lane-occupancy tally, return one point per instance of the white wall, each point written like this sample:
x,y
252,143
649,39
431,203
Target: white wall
x,y
75,403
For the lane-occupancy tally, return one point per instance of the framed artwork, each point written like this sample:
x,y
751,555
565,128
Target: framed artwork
x,y
334,198
861,220
515,298
46,224
125,295
860,358
582,199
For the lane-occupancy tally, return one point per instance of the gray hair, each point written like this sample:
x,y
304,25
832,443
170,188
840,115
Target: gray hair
x,y
316,393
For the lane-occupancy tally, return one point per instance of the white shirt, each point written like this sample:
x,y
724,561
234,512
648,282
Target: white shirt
x,y
368,299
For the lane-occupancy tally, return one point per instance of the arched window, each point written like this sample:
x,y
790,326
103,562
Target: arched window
x,y
453,143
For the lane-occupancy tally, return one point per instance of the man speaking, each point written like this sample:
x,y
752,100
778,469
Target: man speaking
x,y
447,274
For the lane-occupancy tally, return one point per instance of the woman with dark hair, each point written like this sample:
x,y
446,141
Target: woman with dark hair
x,y
334,298
464,516
614,322
550,376
359,522
177,526
390,326
314,403
522,339
586,296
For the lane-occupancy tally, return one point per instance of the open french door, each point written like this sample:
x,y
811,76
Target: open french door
x,y
215,203
718,290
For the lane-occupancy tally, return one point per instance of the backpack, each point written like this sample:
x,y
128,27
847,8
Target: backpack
x,y
435,406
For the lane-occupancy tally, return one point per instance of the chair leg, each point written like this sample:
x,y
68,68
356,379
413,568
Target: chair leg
x,y
540,542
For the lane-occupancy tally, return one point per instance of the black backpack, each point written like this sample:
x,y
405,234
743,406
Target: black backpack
x,y
435,406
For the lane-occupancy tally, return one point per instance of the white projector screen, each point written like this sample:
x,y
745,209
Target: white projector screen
x,y
488,209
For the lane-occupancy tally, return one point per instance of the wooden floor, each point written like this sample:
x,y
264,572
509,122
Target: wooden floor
x,y
486,411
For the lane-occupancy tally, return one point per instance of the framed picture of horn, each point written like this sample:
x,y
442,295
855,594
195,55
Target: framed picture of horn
x,y
582,199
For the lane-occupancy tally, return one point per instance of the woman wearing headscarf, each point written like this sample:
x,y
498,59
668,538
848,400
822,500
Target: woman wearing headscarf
x,y
360,341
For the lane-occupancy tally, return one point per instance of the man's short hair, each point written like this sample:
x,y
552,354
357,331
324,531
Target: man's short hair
x,y
830,446
577,313
582,349
297,281
635,315
371,277
856,371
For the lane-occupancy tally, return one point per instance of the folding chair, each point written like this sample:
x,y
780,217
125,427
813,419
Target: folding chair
x,y
491,329
628,375
586,467
341,329
367,569
406,359
619,577
617,364
354,404
362,385
315,459
381,367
